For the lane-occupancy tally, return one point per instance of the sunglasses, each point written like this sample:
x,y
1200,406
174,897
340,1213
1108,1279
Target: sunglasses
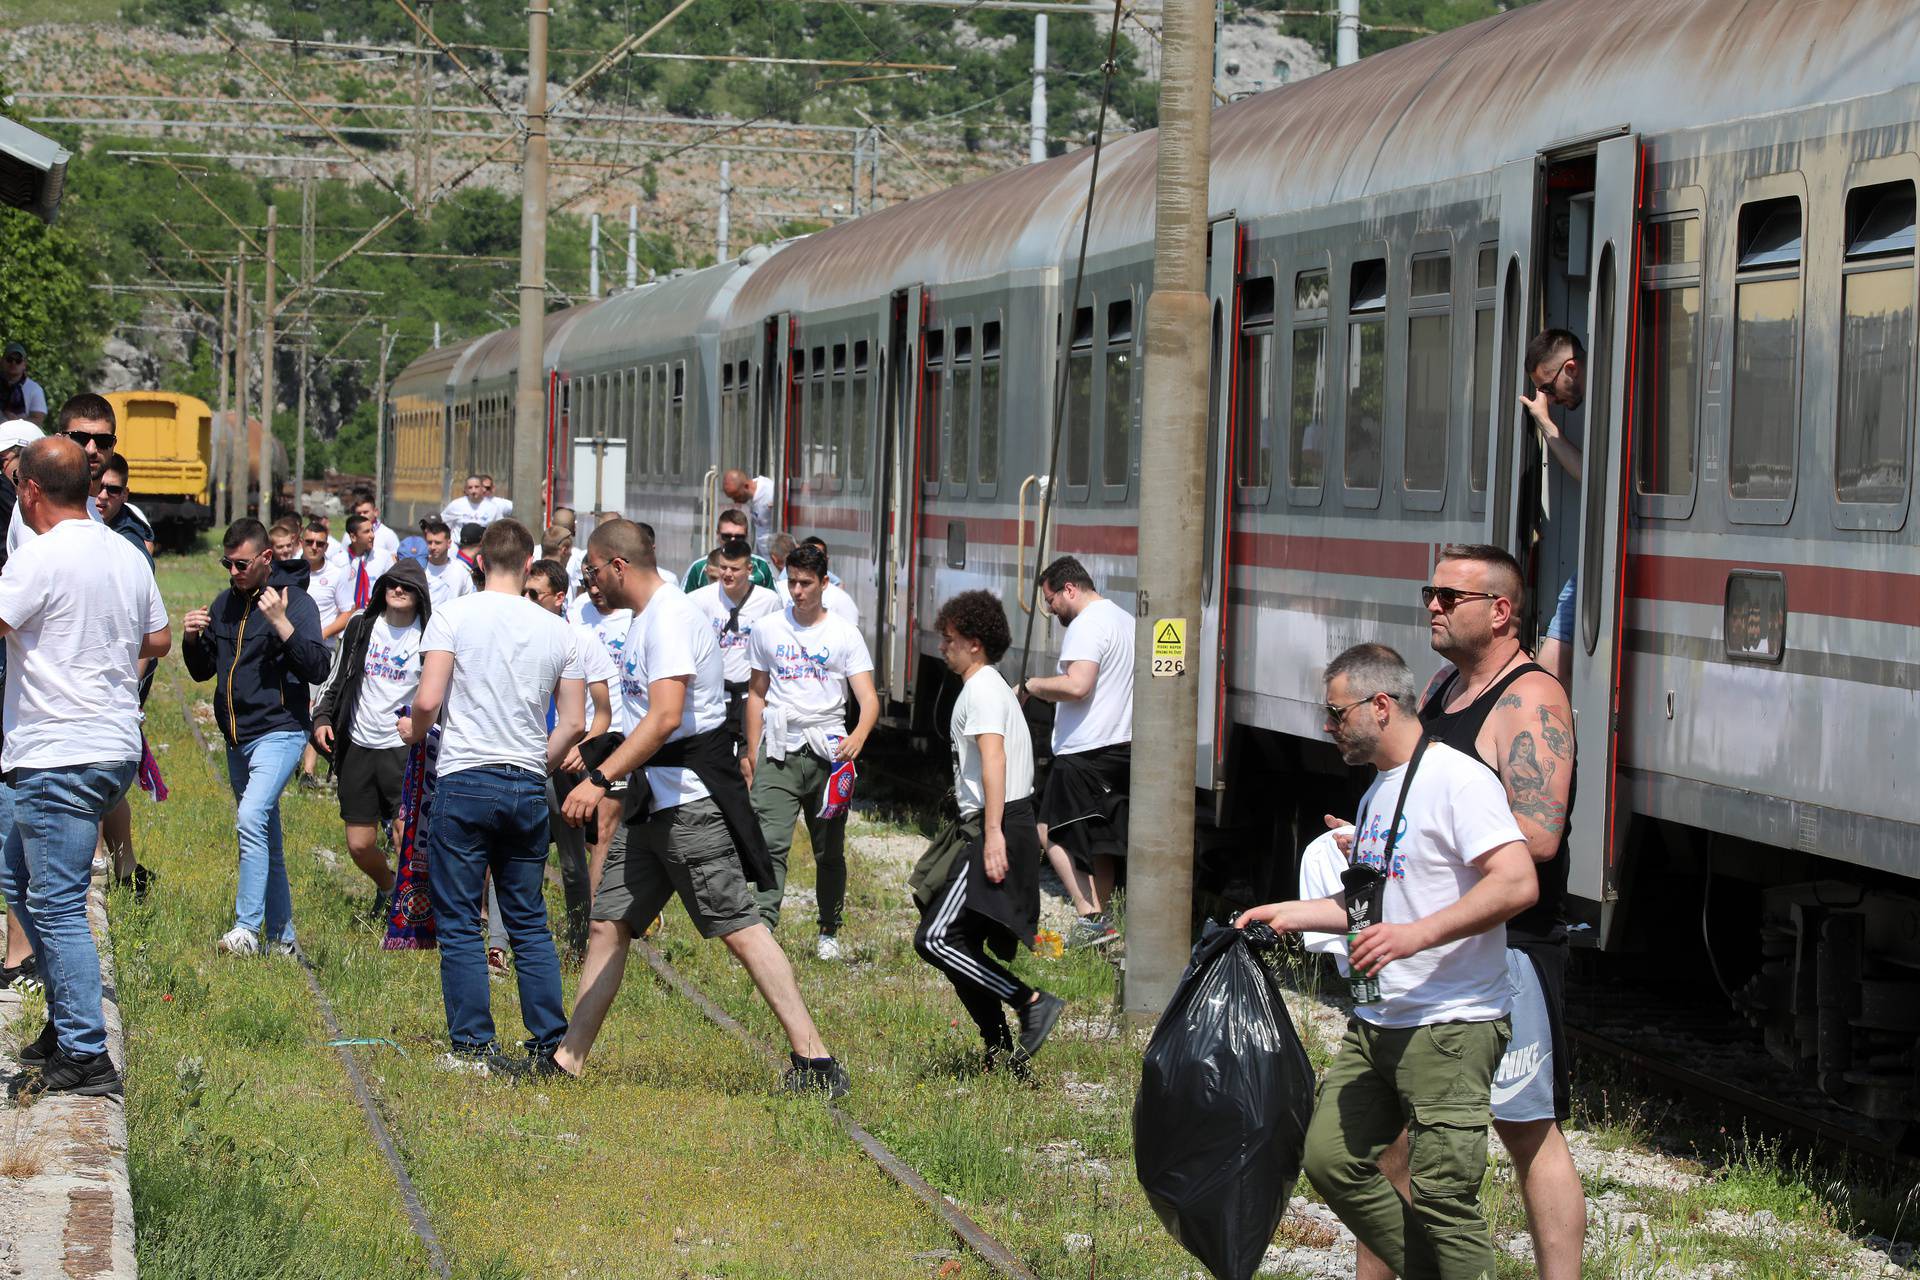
x,y
104,441
319,544
1338,715
115,489
588,572
1452,597
234,566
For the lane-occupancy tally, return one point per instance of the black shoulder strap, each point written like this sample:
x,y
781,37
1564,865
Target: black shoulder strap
x,y
1399,810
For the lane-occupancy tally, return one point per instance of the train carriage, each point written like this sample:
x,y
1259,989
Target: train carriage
x,y
1718,198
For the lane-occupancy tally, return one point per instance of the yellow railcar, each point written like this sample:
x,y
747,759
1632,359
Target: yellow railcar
x,y
167,440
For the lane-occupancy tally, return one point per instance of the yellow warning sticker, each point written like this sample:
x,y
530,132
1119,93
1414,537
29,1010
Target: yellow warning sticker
x,y
1170,647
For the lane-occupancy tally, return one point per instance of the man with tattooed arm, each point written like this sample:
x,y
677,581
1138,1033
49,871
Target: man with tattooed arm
x,y
1496,704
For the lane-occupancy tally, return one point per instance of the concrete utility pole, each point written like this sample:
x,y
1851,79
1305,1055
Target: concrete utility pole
x,y
219,465
1173,467
873,175
423,120
633,245
859,167
1346,41
721,229
380,429
237,460
306,347
1037,120
530,401
593,257
271,269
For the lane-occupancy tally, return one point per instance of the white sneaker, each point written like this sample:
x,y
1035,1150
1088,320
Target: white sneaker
x,y
828,948
238,941
284,947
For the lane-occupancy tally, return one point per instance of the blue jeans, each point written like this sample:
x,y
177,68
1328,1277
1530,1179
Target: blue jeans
x,y
44,874
258,772
493,818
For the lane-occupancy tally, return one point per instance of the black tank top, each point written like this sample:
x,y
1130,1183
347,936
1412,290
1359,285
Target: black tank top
x,y
1546,920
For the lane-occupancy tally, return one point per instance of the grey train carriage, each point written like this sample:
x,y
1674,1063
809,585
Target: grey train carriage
x,y
1718,197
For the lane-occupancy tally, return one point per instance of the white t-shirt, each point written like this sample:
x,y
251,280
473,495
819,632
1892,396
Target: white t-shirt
x,y
461,512
713,604
19,533
388,682
987,705
807,670
576,558
348,586
1456,813
669,638
1320,866
760,513
608,633
79,600
448,582
1103,635
386,544
337,553
323,584
508,654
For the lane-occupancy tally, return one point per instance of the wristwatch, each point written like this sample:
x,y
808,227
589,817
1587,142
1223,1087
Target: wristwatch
x,y
599,779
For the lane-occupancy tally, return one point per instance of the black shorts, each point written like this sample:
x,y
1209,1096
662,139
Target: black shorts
x,y
1085,805
369,781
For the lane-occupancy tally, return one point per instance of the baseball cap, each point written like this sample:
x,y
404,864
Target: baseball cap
x,y
16,433
470,534
15,349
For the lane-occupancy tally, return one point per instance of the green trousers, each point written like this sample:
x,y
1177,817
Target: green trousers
x,y
786,792
1435,1082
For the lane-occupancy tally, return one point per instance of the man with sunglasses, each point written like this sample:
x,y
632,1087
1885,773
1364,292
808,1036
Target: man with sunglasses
x,y
87,420
324,576
80,611
1557,371
1451,867
120,515
1499,708
260,643
20,396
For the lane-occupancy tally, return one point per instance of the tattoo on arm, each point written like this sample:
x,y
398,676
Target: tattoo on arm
x,y
1529,785
1509,700
1556,733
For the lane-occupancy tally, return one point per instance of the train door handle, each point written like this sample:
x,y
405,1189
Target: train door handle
x,y
1020,543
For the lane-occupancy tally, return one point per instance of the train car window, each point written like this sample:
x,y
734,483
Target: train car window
x,y
1253,415
1116,452
1366,372
1666,415
931,420
1766,348
838,401
1871,434
1429,373
987,469
816,422
661,421
1485,281
1307,374
677,437
1594,586
642,425
857,393
960,410
1079,433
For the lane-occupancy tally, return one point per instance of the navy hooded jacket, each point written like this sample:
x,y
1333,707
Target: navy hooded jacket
x,y
262,681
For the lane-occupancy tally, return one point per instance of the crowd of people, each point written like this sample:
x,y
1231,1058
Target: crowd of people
x,y
480,698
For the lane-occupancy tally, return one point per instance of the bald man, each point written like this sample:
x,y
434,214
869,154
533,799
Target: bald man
x,y
755,495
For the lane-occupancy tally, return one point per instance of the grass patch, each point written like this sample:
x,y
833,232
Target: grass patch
x,y
23,13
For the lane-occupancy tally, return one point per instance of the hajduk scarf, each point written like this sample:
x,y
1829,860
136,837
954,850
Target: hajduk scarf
x,y
410,912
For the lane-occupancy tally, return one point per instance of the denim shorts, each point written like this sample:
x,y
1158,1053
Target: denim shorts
x,y
1561,628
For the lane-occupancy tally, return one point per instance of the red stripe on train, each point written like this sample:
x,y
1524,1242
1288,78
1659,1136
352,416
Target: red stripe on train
x,y
1866,595
806,519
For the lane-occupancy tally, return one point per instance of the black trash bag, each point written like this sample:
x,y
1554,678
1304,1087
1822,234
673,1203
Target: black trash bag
x,y
1220,1123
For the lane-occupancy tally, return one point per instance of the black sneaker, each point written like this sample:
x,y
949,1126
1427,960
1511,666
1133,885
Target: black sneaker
x,y
541,1066
42,1048
1011,1059
311,784
816,1075
486,1061
24,976
92,1077
141,881
1036,1021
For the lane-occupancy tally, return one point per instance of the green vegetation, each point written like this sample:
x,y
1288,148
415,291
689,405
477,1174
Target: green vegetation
x,y
1387,23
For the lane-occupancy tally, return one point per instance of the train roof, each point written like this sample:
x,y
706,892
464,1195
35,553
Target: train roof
x,y
496,357
658,315
1021,219
180,399
1465,101
1505,88
428,373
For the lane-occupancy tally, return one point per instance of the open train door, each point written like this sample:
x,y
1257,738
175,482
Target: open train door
x,y
1211,652
1598,827
902,358
1519,187
776,402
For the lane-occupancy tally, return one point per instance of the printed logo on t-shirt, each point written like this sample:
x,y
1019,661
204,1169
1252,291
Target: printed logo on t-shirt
x,y
1370,844
795,662
391,662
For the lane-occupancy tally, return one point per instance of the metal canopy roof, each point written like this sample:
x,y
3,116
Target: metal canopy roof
x,y
33,170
